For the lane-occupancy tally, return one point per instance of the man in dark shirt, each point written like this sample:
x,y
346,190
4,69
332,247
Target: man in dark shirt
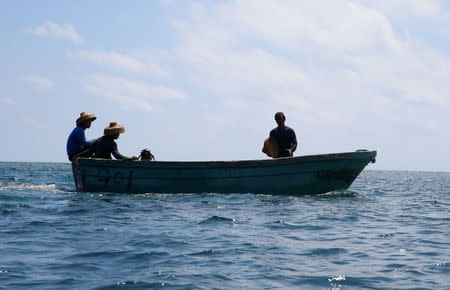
x,y
77,143
107,146
285,136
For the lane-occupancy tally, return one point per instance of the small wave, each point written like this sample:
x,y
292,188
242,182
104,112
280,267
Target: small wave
x,y
32,187
73,266
341,193
444,265
98,254
282,224
141,255
217,219
326,251
386,236
396,266
134,284
338,278
7,211
206,253
336,281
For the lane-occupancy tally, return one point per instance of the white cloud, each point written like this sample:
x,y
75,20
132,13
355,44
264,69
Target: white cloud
x,y
294,101
39,82
208,51
407,8
312,52
50,29
338,25
31,122
409,13
122,62
250,72
131,94
8,101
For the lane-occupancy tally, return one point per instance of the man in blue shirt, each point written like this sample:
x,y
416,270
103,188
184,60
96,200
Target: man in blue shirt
x,y
76,143
285,136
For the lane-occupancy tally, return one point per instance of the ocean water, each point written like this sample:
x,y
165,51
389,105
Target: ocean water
x,y
391,229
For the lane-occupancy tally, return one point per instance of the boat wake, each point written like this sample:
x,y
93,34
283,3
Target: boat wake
x,y
29,187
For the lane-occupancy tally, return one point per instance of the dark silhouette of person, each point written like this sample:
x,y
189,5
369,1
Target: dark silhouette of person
x,y
285,136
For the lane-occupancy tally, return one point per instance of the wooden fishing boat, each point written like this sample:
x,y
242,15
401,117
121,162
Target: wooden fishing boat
x,y
300,175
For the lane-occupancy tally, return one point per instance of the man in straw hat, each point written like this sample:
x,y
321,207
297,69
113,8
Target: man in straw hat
x,y
76,143
107,146
284,136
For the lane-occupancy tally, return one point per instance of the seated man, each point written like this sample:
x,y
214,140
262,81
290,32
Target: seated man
x,y
107,146
285,137
76,143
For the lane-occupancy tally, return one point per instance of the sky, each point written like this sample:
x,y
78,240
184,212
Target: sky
x,y
202,80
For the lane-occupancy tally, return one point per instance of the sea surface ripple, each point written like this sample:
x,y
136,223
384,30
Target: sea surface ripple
x,y
391,229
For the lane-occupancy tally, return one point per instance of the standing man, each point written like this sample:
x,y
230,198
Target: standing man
x,y
285,136
76,143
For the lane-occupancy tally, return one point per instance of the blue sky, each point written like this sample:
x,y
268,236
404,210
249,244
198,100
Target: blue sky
x,y
201,80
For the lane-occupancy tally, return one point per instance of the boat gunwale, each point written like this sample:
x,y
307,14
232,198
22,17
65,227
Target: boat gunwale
x,y
224,164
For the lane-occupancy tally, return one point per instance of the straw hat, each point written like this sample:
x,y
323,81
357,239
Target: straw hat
x,y
113,129
85,117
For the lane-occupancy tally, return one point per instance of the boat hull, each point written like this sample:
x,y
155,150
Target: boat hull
x,y
301,175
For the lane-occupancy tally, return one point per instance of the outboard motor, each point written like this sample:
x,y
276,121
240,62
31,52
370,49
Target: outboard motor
x,y
146,155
